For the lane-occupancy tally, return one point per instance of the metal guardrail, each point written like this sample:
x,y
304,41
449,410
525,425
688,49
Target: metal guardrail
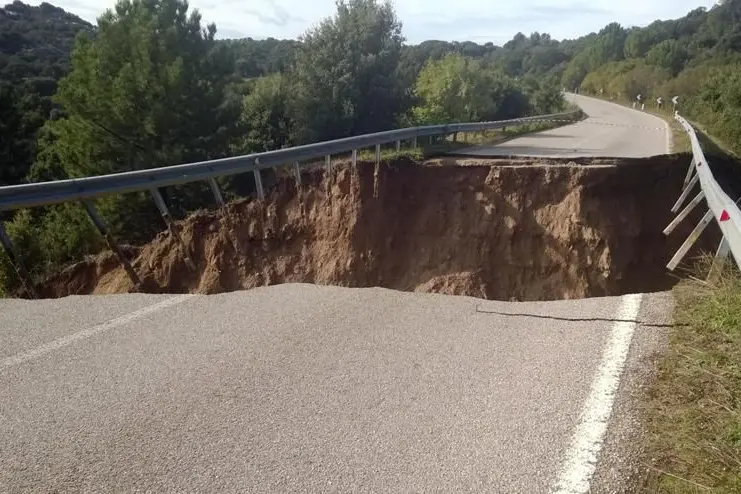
x,y
720,207
88,188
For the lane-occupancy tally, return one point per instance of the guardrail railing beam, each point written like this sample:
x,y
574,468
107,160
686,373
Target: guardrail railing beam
x,y
722,208
17,262
110,241
46,193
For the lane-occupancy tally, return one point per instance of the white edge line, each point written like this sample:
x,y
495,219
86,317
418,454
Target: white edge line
x,y
669,137
581,458
87,333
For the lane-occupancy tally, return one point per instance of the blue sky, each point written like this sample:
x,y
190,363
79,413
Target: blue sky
x,y
474,20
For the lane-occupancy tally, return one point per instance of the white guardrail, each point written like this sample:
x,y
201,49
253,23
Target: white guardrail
x,y
721,208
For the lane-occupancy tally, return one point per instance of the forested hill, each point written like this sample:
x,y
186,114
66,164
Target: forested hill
x,y
35,47
36,41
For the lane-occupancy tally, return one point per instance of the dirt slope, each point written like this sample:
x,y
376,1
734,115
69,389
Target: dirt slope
x,y
491,229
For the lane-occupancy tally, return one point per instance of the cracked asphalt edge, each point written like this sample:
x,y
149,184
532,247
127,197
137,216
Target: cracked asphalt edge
x,y
621,466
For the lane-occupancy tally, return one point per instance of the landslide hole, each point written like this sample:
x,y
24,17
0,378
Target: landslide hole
x,y
527,229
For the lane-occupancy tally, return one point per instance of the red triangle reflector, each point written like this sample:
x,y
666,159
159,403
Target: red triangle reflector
x,y
724,216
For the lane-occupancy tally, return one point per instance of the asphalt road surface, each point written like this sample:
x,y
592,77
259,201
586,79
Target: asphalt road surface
x,y
302,388
610,130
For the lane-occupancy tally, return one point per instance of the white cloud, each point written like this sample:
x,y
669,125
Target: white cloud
x,y
476,20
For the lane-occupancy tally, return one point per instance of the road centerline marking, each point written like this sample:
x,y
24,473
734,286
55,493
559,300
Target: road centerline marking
x,y
581,458
83,334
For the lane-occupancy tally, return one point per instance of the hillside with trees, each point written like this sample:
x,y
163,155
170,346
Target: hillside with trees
x,y
35,47
696,57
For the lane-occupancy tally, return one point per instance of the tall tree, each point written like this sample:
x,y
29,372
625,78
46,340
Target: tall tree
x,y
346,73
148,90
453,89
265,117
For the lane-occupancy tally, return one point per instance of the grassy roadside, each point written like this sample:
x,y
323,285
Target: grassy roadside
x,y
693,411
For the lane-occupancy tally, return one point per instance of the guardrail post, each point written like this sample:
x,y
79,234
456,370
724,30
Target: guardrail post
x,y
691,169
354,157
686,211
414,142
687,245
328,163
398,146
17,261
258,184
171,226
719,261
103,229
216,191
685,193
297,172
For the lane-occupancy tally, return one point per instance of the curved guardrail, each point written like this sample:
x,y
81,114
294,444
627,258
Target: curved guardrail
x,y
720,207
45,193
88,188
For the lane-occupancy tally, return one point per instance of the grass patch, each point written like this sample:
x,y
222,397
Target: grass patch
x,y
693,414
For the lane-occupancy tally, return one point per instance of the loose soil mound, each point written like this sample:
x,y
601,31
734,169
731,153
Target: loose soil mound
x,y
508,230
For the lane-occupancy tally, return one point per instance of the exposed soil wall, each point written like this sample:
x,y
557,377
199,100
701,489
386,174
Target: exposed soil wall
x,y
491,229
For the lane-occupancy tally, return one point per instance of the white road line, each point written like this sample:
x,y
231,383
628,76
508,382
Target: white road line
x,y
581,458
87,333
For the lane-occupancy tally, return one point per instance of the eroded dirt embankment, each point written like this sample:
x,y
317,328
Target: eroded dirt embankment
x,y
492,229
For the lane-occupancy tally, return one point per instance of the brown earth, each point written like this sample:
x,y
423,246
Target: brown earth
x,y
497,229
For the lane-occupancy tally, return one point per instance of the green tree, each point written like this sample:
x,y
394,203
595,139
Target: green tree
x,y
265,118
576,71
345,76
669,54
453,89
148,90
15,145
637,43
